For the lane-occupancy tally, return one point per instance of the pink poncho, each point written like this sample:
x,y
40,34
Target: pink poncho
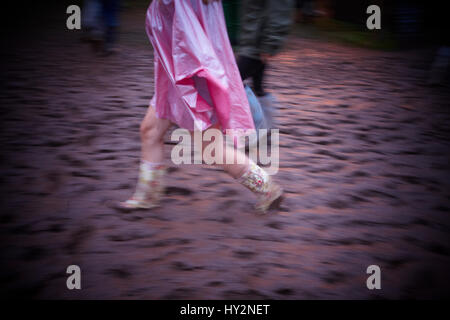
x,y
197,82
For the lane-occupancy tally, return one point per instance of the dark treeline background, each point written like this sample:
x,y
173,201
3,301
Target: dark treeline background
x,y
426,20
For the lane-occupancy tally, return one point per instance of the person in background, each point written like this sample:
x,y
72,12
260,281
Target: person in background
x,y
100,24
264,27
91,21
110,13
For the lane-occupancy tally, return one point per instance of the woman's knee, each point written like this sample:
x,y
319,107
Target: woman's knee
x,y
149,131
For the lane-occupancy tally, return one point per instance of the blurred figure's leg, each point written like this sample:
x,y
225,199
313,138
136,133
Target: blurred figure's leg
x,y
258,79
252,68
438,73
440,65
276,26
264,26
91,20
110,10
253,13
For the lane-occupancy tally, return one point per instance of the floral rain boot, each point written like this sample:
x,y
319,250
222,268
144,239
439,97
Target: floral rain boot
x,y
257,180
149,189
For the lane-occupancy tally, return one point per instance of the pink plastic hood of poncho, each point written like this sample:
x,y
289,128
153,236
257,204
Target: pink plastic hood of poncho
x,y
197,82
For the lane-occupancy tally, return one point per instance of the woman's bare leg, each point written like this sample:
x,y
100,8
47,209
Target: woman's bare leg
x,y
237,169
241,161
150,186
249,174
152,136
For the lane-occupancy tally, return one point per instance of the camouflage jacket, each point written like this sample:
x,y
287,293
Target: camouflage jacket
x,y
264,26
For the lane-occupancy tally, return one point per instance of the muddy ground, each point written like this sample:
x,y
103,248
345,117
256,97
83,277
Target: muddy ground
x,y
364,162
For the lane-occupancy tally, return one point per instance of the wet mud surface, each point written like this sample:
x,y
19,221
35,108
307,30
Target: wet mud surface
x,y
364,150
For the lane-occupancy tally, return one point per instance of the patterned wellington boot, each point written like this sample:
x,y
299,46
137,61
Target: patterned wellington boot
x,y
149,189
257,180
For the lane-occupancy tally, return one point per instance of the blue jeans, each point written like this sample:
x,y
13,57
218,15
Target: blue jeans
x,y
110,13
